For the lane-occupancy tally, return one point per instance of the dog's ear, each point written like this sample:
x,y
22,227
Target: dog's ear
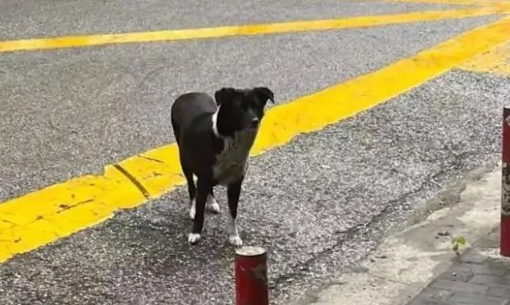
x,y
264,94
223,95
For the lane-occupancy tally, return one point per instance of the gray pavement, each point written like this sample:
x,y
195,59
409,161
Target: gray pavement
x,y
67,113
480,276
407,260
357,180
319,204
71,17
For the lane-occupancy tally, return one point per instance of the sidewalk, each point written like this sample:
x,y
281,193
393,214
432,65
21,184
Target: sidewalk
x,y
417,266
481,276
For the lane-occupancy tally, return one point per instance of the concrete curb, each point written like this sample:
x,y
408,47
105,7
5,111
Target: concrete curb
x,y
406,262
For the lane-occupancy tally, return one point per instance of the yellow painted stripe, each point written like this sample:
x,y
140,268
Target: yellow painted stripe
x,y
496,61
246,30
486,3
501,6
57,211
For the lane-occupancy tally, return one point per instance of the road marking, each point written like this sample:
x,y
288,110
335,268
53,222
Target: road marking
x,y
245,30
496,61
484,3
39,218
501,6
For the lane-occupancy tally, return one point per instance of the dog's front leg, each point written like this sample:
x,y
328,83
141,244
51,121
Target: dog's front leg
x,y
233,193
203,186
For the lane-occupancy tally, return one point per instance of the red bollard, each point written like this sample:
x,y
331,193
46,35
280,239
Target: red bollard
x,y
251,276
504,244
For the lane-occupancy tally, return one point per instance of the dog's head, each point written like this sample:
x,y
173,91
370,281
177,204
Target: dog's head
x,y
241,109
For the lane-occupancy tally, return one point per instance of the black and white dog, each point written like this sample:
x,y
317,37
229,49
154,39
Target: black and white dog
x,y
214,140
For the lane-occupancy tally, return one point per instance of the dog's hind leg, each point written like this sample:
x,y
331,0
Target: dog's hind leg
x,y
212,204
233,193
188,173
191,188
198,223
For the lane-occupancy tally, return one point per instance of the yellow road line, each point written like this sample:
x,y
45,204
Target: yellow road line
x,y
485,3
501,6
496,61
245,30
44,216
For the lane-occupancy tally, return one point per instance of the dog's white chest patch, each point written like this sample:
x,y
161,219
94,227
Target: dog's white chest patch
x,y
232,163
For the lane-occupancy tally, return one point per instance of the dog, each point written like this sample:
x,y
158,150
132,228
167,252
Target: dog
x,y
214,137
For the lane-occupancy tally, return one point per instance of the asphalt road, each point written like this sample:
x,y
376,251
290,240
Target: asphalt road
x,y
319,204
56,18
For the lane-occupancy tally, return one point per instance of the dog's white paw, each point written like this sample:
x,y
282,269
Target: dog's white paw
x,y
235,240
193,238
192,209
213,205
